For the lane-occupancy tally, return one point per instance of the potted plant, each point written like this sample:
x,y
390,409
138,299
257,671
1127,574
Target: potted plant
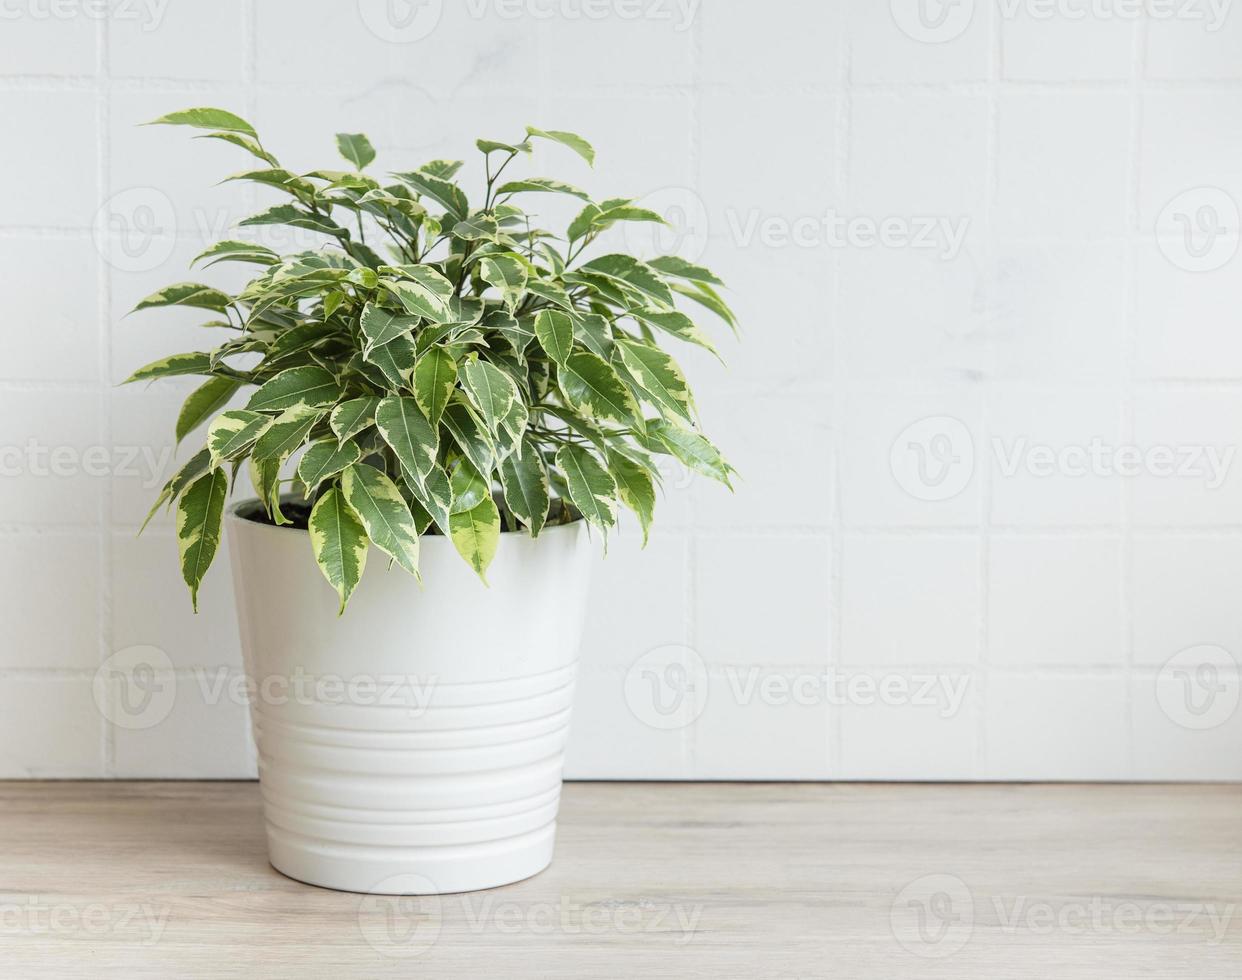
x,y
440,380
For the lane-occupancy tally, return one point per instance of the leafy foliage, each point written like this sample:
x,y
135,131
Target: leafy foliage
x,y
437,366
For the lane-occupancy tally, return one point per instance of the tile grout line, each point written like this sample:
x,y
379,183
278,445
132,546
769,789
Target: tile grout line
x,y
1129,362
835,728
996,71
103,119
690,625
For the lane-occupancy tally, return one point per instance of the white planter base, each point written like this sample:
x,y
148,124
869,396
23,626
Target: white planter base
x,y
414,745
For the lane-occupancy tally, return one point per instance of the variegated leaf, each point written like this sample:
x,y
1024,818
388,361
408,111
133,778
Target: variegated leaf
x,y
200,513
354,416
468,487
404,427
380,326
659,377
193,294
435,377
232,433
492,391
339,542
592,387
507,272
435,495
325,459
309,386
384,512
525,482
635,487
287,433
571,140
203,403
555,333
591,487
476,535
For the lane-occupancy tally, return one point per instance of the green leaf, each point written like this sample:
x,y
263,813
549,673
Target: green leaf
x,y
339,542
394,359
380,326
592,387
476,534
325,459
626,212
671,265
591,487
197,362
595,334
351,417
659,377
233,251
200,513
404,427
435,376
276,177
468,487
383,512
677,324
447,194
507,272
355,148
704,295
492,391
309,386
287,433
478,227
555,333
425,295
248,144
206,118
193,294
491,146
571,140
632,272
542,185
525,482
196,466
635,488
231,433
435,494
691,448
470,435
203,403
551,292
294,217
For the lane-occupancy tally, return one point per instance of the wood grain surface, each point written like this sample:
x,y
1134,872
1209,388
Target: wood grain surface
x,y
165,879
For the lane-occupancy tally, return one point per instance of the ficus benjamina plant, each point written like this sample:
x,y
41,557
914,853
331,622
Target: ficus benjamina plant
x,y
437,366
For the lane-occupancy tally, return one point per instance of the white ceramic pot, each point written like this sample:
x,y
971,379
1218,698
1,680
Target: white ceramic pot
x,y
413,745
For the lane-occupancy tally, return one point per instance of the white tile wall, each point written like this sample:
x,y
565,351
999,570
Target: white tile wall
x,y
986,407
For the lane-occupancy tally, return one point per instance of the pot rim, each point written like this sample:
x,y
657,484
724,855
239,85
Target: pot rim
x,y
234,515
